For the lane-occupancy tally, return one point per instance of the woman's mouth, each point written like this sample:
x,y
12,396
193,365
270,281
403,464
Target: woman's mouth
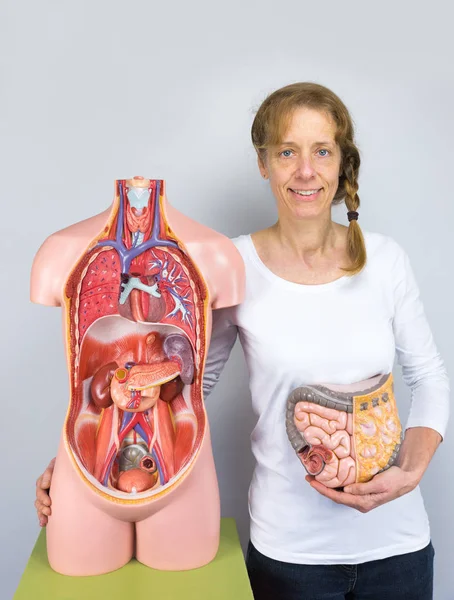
x,y
306,195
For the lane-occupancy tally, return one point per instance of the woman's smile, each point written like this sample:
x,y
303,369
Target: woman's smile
x,y
302,195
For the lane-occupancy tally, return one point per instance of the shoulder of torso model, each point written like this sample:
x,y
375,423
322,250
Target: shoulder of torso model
x,y
215,255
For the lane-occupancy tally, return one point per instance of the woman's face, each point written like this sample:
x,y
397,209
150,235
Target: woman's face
x,y
304,169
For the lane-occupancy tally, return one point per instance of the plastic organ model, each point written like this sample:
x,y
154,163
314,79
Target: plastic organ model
x,y
135,402
135,466
345,434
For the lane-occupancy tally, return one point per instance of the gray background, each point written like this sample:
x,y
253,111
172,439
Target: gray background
x,y
93,91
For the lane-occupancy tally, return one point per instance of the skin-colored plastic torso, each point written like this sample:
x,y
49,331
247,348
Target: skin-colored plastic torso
x,y
96,527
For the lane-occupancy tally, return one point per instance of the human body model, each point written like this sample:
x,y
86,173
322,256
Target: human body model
x,y
134,473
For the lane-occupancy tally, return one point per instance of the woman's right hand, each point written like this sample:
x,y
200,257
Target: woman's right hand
x,y
43,501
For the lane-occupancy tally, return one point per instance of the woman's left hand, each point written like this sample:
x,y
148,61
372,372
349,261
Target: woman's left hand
x,y
384,487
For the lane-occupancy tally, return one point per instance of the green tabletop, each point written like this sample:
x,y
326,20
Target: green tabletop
x,y
224,578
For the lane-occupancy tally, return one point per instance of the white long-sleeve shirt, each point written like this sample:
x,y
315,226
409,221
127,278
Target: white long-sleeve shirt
x,y
340,332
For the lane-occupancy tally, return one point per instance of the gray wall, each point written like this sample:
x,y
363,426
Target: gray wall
x,y
93,91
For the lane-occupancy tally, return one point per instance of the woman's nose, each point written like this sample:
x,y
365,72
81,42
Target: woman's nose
x,y
305,168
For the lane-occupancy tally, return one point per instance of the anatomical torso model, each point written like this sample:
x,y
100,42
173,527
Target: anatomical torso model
x,y
134,474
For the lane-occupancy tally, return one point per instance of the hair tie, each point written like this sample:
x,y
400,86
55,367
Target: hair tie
x,y
352,215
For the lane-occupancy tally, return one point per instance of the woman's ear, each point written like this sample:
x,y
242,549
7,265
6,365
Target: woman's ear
x,y
262,167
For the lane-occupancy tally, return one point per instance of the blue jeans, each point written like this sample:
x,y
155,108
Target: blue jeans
x,y
403,577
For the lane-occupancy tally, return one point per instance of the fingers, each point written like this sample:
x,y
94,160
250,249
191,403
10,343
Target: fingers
x,y
332,494
43,501
46,477
382,483
43,497
363,489
43,513
42,487
384,487
42,509
363,504
44,480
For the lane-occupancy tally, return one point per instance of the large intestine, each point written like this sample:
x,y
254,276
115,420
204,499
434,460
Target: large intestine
x,y
344,438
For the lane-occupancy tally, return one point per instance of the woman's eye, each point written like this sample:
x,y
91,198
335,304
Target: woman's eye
x,y
286,153
323,152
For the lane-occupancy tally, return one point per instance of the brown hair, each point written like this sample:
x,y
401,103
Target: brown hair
x,y
271,123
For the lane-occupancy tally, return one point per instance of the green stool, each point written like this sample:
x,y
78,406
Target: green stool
x,y
224,578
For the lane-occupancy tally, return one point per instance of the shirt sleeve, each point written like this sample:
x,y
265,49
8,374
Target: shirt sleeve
x,y
223,336
423,369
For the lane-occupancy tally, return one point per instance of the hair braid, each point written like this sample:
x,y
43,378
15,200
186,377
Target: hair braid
x,y
355,241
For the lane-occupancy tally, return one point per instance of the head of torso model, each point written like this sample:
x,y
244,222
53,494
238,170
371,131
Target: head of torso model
x,y
136,326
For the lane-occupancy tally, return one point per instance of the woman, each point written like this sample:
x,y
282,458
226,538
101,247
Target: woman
x,y
326,305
